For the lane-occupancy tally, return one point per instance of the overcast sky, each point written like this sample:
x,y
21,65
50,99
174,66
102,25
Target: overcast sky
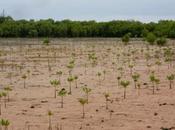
x,y
100,10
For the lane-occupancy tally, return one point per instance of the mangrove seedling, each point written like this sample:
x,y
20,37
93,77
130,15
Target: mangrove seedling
x,y
76,80
24,77
70,79
106,95
135,77
8,89
83,101
59,73
50,114
4,123
62,93
171,79
4,94
153,80
55,84
87,91
125,85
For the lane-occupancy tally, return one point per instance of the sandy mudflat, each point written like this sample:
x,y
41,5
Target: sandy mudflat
x,y
28,106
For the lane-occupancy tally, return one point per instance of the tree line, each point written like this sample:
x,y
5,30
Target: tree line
x,y
67,28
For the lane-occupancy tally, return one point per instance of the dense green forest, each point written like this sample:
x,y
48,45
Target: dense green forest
x,y
67,28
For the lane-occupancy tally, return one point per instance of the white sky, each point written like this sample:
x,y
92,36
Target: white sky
x,y
100,10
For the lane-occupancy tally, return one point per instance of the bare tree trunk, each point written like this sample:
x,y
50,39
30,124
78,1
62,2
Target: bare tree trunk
x,y
50,124
118,83
61,101
87,96
153,89
138,91
76,83
8,97
5,102
60,79
70,88
124,93
24,83
0,108
170,85
135,84
106,104
55,94
83,112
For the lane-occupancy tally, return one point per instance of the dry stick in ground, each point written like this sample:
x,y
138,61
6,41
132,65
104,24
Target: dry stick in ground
x,y
46,43
28,73
138,88
59,127
85,67
118,80
110,114
10,77
104,74
2,64
99,75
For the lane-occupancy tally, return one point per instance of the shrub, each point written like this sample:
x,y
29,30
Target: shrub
x,y
161,41
151,38
126,38
46,41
